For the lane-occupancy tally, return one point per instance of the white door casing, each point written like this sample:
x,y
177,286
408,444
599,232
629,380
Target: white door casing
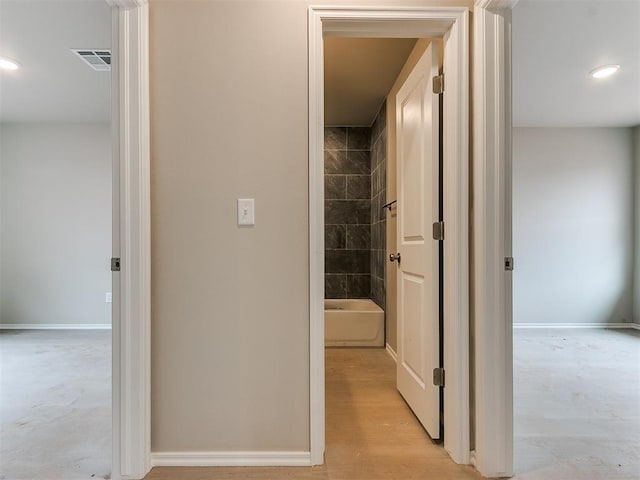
x,y
492,238
452,24
417,120
131,361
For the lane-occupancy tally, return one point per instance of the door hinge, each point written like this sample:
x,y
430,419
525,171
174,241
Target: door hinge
x,y
508,263
438,231
438,377
115,264
438,84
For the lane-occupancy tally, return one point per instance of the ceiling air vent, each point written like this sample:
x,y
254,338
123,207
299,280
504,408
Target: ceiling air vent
x,y
99,60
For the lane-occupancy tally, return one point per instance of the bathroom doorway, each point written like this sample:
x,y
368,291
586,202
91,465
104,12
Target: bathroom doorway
x,y
458,390
357,205
362,366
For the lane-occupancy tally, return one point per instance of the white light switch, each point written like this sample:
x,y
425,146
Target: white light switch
x,y
246,211
107,297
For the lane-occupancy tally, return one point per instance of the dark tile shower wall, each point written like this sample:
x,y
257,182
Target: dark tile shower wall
x,y
347,212
378,215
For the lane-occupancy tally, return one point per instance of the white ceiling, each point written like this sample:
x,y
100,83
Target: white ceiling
x,y
358,74
555,45
53,84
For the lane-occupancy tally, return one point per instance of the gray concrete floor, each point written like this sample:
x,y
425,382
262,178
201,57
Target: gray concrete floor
x,y
577,404
55,404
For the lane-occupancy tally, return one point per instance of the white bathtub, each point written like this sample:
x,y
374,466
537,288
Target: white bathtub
x,y
353,323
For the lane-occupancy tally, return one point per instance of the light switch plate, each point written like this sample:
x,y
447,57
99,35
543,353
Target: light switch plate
x,y
246,211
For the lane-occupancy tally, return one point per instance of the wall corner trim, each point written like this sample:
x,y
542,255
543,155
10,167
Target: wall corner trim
x,y
230,459
492,238
131,358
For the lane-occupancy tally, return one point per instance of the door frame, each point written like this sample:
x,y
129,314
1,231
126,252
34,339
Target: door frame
x,y
491,217
493,323
453,23
131,361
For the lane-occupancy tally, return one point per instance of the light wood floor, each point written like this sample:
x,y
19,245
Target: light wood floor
x,y
370,432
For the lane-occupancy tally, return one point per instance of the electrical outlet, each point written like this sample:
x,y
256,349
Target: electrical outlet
x,y
108,297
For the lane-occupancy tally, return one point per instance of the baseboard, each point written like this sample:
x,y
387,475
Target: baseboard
x,y
55,326
391,352
231,459
576,325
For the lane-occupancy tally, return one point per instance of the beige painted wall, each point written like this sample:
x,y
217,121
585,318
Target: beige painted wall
x,y
230,321
230,333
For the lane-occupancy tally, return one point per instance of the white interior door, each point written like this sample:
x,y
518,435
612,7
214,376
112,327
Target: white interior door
x,y
418,269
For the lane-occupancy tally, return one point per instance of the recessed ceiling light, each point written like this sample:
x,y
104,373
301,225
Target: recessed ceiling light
x,y
604,71
8,64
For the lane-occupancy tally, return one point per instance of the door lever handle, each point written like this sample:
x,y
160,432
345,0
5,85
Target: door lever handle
x,y
394,258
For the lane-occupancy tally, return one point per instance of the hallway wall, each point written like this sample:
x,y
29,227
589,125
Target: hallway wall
x,y
229,119
230,365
